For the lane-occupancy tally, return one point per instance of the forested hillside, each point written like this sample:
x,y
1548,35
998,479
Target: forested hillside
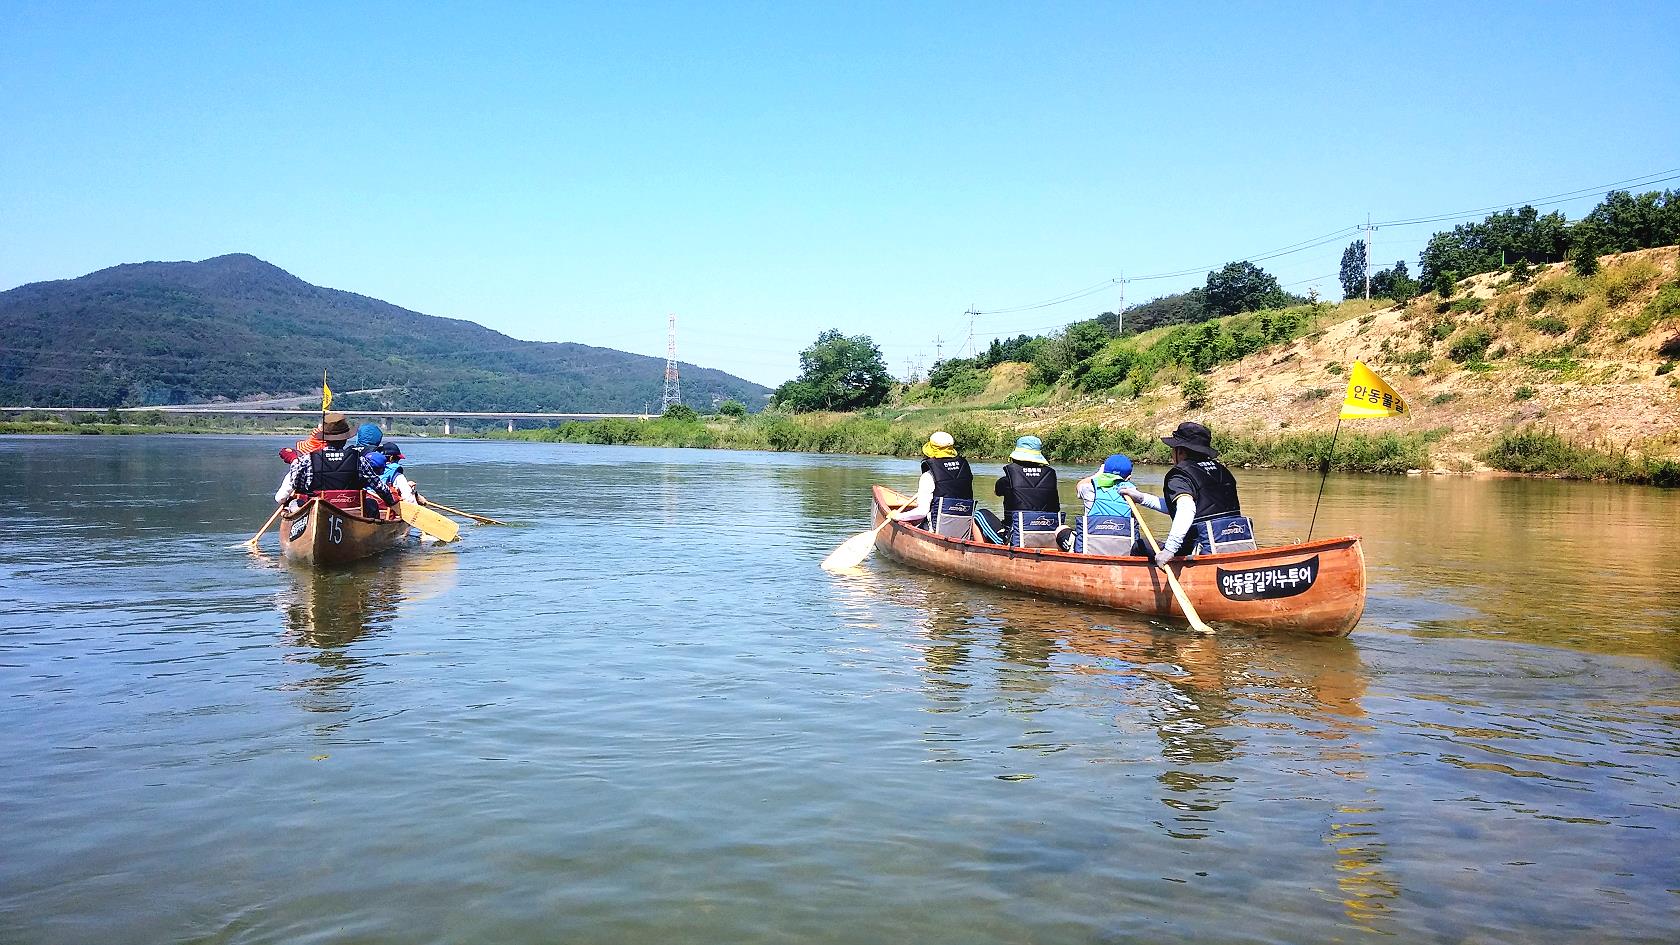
x,y
236,327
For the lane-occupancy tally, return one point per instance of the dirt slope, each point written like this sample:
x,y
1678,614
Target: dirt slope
x,y
1578,353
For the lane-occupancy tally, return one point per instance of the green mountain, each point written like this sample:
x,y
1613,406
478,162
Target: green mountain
x,y
236,327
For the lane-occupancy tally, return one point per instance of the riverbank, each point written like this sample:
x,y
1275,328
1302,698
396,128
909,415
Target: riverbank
x,y
1527,451
863,434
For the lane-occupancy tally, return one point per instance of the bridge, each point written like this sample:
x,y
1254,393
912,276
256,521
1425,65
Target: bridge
x,y
386,417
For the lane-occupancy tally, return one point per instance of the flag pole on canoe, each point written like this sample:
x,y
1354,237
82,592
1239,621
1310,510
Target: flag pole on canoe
x,y
1367,396
326,398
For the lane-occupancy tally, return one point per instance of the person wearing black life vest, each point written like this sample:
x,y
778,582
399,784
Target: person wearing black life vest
x,y
333,467
1199,491
1028,486
945,489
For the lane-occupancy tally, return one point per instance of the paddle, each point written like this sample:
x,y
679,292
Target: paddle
x,y
853,550
480,519
429,522
252,543
1184,604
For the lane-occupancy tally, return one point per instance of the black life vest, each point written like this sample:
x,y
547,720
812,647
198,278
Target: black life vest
x,y
1208,482
952,479
1030,487
335,467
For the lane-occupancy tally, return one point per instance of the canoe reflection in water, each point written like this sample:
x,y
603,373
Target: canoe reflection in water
x,y
328,612
1225,720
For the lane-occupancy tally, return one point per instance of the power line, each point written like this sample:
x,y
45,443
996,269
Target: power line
x,y
1641,181
1657,177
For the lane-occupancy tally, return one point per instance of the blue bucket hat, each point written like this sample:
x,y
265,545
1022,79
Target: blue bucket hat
x,y
376,459
369,434
1029,449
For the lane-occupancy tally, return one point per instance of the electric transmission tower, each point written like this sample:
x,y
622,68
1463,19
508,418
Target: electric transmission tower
x,y
673,385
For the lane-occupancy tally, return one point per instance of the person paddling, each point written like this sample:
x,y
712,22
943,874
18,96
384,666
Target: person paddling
x,y
1201,497
1107,516
1031,505
945,491
395,479
333,468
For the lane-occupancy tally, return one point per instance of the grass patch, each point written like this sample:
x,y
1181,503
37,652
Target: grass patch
x,y
1663,308
1470,344
1534,450
976,439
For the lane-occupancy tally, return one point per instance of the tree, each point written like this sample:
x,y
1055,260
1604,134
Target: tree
x,y
1396,283
1585,256
732,408
1181,308
837,373
1242,287
1353,270
681,412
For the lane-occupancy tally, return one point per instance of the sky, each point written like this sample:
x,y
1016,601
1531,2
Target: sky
x,y
765,171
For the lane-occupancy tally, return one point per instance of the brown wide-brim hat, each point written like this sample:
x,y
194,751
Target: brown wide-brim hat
x,y
1193,437
334,427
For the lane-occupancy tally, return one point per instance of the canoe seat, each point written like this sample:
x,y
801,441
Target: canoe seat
x,y
1114,535
1225,533
350,500
1033,529
953,518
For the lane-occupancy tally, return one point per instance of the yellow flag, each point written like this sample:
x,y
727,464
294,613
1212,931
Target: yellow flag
x,y
326,393
1370,396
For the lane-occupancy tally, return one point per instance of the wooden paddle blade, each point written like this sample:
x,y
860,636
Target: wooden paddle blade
x,y
851,552
429,522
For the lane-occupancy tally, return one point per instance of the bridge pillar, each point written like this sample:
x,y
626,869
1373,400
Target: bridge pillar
x,y
510,426
446,427
387,424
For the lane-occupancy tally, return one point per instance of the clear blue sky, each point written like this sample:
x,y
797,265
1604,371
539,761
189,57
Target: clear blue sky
x,y
572,173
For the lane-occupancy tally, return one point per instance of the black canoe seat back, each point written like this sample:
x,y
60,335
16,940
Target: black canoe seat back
x,y
1113,535
1225,533
1033,529
953,518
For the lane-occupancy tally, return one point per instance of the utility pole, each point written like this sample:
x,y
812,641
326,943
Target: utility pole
x,y
1120,315
938,349
673,385
971,313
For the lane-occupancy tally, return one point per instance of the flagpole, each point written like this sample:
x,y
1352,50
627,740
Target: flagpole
x,y
324,401
1324,478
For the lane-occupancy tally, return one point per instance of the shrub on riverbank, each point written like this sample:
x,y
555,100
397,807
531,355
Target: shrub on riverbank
x,y
1063,443
1545,452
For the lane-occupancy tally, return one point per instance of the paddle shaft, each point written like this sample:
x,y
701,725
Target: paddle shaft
x,y
483,519
1184,604
889,519
271,518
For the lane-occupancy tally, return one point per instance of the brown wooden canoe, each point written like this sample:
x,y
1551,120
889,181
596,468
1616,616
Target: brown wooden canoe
x,y
1314,588
320,534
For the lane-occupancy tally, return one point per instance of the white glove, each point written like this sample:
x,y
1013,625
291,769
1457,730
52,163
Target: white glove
x,y
1162,557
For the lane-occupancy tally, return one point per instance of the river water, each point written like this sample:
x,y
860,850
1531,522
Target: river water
x,y
645,715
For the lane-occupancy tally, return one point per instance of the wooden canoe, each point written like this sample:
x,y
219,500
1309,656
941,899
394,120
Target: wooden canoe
x,y
1316,588
320,534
